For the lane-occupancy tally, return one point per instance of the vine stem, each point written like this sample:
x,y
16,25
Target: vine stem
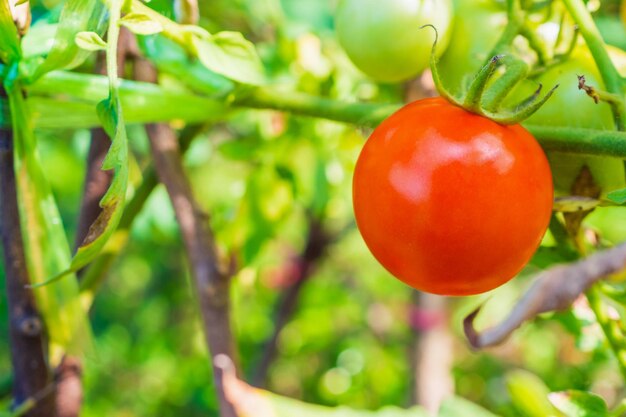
x,y
611,77
211,277
555,139
26,331
113,34
610,331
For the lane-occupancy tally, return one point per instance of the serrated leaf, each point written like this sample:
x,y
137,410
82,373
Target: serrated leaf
x,y
579,404
77,16
46,248
90,41
9,40
231,55
226,53
141,24
618,196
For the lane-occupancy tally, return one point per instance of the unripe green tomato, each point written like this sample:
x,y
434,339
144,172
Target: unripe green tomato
x,y
383,38
571,107
609,223
477,26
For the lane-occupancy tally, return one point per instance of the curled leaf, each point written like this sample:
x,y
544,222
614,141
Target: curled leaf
x,y
554,289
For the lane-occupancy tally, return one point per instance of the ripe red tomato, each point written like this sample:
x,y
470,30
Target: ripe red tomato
x,y
450,202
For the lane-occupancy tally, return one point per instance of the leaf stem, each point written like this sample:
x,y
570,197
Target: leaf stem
x,y
611,77
609,328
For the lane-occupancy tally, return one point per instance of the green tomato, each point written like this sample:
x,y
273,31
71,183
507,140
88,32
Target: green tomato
x,y
571,107
477,26
383,38
609,223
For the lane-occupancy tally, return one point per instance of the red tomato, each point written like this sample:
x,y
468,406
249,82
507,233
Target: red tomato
x,y
450,202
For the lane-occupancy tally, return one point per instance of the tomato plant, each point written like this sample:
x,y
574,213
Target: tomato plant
x,y
451,208
384,40
571,107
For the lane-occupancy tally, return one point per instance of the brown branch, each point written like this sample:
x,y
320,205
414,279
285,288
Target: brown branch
x,y
554,289
304,265
69,387
211,279
431,353
26,338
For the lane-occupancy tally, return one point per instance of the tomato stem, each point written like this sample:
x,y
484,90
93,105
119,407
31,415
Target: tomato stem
x,y
516,70
599,95
477,87
536,43
435,71
523,110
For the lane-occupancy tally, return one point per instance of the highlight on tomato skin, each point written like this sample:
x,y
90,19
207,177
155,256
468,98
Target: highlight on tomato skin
x,y
450,202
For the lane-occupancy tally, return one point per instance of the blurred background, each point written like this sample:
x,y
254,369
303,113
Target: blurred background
x,y
317,318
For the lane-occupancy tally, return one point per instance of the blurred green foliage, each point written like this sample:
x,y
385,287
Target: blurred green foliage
x,y
262,175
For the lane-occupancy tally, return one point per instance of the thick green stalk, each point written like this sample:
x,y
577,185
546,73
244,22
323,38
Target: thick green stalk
x,y
557,139
145,103
611,77
362,114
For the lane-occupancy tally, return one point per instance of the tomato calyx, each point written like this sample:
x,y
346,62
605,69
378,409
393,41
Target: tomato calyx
x,y
485,97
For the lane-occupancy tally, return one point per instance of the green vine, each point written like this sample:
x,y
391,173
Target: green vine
x,y
611,77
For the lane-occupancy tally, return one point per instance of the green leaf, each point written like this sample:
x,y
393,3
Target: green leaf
x,y
171,58
90,41
9,39
46,248
229,54
456,407
110,114
530,395
579,404
77,16
141,24
618,196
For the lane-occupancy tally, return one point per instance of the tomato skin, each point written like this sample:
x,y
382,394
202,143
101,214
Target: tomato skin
x,y
450,202
383,38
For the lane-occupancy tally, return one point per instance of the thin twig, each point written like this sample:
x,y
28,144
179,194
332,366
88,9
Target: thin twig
x,y
554,289
26,338
315,248
211,280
